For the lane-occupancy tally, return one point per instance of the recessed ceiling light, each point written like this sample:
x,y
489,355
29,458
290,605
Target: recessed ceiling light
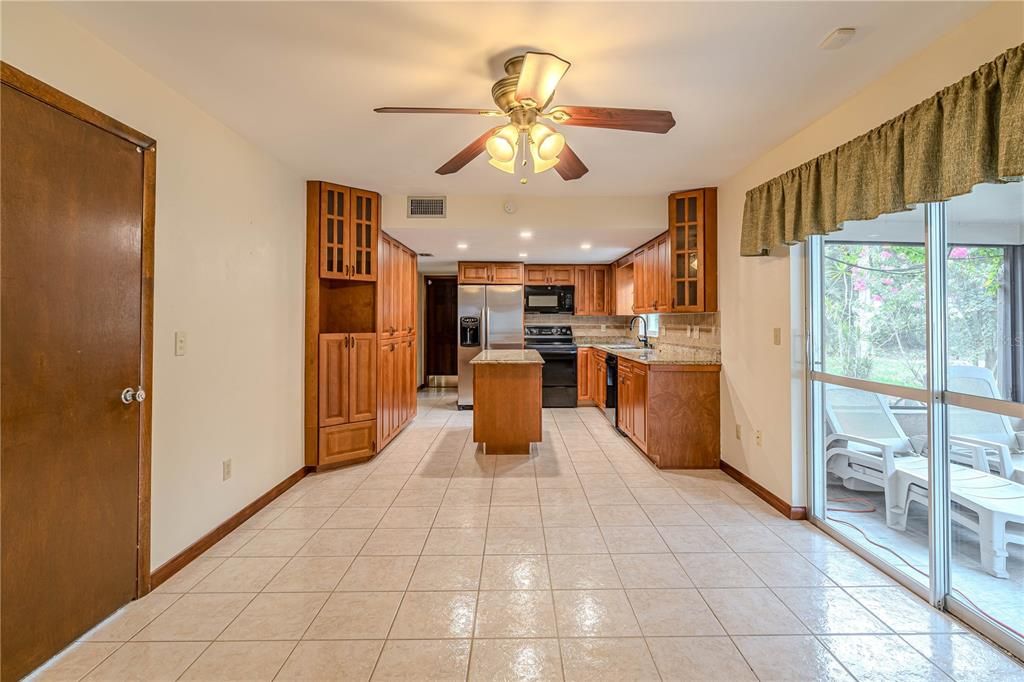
x,y
526,234
585,245
462,245
522,255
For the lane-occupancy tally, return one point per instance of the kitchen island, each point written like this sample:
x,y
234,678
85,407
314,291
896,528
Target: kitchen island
x,y
507,400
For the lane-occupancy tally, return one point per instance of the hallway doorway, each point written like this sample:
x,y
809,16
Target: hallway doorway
x,y
441,366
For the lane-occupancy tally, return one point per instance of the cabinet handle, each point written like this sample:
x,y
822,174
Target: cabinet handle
x,y
346,342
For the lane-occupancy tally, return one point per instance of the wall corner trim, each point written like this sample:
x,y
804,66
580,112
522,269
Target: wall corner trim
x,y
193,551
779,504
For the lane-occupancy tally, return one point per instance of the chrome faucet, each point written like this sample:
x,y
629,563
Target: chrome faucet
x,y
642,339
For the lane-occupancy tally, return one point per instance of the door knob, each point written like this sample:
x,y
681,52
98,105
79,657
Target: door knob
x,y
130,395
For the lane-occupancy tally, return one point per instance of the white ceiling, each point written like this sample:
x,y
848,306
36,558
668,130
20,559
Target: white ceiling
x,y
300,80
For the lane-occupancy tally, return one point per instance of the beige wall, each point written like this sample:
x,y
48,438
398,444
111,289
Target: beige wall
x,y
763,384
229,272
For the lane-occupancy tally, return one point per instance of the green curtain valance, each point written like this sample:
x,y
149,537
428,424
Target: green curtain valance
x,y
970,132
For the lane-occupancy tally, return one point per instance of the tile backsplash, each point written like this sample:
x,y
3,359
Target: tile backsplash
x,y
675,330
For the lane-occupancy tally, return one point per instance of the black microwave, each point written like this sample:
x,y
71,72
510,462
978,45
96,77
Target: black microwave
x,y
548,299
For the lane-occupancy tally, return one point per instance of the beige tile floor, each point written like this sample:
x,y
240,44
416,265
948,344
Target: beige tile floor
x,y
578,562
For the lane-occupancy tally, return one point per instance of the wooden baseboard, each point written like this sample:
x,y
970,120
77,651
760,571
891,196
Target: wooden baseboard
x,y
184,557
783,507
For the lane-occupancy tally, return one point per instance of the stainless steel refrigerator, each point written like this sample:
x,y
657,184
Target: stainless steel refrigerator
x,y
491,317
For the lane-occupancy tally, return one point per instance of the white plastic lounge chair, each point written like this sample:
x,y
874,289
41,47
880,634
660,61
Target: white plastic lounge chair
x,y
868,449
985,438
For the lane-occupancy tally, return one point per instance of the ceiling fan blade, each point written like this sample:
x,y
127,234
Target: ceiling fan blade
x,y
569,165
437,110
470,152
539,77
641,120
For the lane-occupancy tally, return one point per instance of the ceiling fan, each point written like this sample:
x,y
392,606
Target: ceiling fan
x,y
523,95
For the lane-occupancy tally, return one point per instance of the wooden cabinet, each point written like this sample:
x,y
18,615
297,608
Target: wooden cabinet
x,y
490,273
348,225
631,410
593,289
671,412
347,397
348,378
693,269
560,275
397,294
396,396
583,394
652,288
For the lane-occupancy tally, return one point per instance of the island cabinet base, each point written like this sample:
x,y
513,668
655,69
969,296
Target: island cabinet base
x,y
671,412
507,407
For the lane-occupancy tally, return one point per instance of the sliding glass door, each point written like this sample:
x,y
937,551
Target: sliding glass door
x,y
916,419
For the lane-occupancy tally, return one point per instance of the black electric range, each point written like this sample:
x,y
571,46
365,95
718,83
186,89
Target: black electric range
x,y
556,347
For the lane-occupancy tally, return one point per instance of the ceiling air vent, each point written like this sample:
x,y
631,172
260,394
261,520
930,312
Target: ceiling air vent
x,y
425,255
426,207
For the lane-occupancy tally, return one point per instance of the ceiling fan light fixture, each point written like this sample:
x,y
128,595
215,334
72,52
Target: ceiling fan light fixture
x,y
502,145
504,166
548,143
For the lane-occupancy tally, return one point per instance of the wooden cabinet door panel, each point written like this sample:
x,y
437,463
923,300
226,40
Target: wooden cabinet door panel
x,y
363,221
386,388
582,293
333,384
474,273
664,276
535,274
651,288
624,407
583,374
347,442
334,231
410,293
693,232
640,281
410,380
362,375
638,399
506,273
599,289
561,275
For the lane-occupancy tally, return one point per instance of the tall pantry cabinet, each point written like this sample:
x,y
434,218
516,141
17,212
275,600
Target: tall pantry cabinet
x,y
360,294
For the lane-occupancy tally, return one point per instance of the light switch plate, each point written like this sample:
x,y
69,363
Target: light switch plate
x,y
759,438
179,343
226,469
777,336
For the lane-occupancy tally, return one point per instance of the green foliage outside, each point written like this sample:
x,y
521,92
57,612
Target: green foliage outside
x,y
874,298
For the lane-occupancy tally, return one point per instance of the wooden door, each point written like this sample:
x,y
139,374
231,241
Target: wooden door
x,y
401,382
475,273
507,273
562,275
583,374
385,287
386,390
599,289
335,258
582,293
75,318
334,388
441,352
362,377
363,235
599,372
651,282
536,274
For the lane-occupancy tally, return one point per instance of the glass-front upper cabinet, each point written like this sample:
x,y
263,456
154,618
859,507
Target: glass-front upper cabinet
x,y
348,232
693,230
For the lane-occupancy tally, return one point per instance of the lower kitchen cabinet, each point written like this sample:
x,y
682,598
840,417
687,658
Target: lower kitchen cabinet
x,y
347,443
671,412
598,377
396,394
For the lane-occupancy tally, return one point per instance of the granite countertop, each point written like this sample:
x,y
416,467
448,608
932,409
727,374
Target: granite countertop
x,y
508,357
652,356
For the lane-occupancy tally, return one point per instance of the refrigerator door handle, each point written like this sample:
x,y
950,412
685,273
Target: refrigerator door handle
x,y
485,342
